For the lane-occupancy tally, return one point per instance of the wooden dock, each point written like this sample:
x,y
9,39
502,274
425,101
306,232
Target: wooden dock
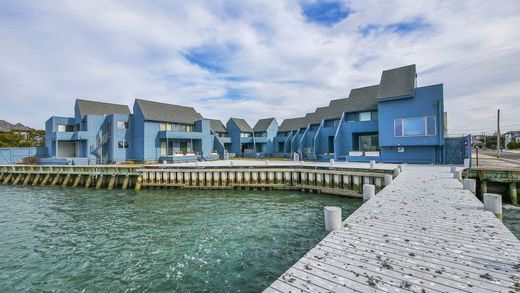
x,y
422,233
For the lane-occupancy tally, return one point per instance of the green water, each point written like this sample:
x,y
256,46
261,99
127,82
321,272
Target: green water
x,y
66,240
511,218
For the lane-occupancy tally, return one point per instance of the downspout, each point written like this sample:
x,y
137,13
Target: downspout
x,y
336,135
315,137
286,141
301,139
441,119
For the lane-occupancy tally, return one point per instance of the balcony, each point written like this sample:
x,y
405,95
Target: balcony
x,y
72,136
246,139
166,134
224,139
261,139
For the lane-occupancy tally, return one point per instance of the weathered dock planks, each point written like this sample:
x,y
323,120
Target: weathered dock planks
x,y
422,233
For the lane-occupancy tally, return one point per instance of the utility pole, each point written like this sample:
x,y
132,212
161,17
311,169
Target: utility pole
x,y
498,134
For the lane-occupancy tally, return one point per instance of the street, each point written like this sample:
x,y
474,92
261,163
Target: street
x,y
489,158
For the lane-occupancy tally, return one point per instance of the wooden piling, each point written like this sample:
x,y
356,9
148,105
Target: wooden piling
x,y
6,180
45,179
55,180
66,180
76,182
111,182
36,179
17,179
89,180
99,182
125,182
138,183
513,193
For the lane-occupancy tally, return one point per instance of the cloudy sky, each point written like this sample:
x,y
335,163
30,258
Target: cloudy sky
x,y
256,59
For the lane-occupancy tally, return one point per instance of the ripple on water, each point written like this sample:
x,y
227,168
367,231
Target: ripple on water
x,y
64,240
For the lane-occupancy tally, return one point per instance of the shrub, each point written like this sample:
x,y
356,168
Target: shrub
x,y
513,145
31,160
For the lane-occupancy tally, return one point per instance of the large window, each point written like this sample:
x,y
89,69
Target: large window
x,y
361,116
368,143
245,134
261,134
417,126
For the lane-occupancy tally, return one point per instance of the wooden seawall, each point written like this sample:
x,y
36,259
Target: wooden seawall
x,y
330,180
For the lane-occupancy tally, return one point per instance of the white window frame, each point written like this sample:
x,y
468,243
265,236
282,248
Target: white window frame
x,y
425,118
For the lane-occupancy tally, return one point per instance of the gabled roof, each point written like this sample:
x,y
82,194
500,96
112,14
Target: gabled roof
x,y
397,82
100,108
263,124
162,112
360,99
242,124
8,127
20,127
217,125
292,124
4,129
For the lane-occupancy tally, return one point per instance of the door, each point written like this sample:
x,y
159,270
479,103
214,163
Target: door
x,y
331,144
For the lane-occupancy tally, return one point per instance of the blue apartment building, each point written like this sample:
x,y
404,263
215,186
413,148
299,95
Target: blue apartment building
x,y
391,121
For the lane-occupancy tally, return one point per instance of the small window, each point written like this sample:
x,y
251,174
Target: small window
x,y
374,115
122,144
164,126
365,116
122,125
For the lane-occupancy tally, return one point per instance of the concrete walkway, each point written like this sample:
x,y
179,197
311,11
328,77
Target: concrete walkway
x,y
423,233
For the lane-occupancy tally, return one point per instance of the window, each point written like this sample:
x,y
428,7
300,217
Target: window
x,y
365,116
368,143
245,134
67,128
261,134
165,126
374,115
186,127
122,144
417,126
122,125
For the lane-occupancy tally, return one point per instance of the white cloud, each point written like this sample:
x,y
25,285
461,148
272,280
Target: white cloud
x,y
55,51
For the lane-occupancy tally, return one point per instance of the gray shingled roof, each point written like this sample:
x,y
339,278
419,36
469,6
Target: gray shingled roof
x,y
100,108
263,124
8,127
20,127
360,99
292,124
217,125
242,124
397,82
4,129
161,112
